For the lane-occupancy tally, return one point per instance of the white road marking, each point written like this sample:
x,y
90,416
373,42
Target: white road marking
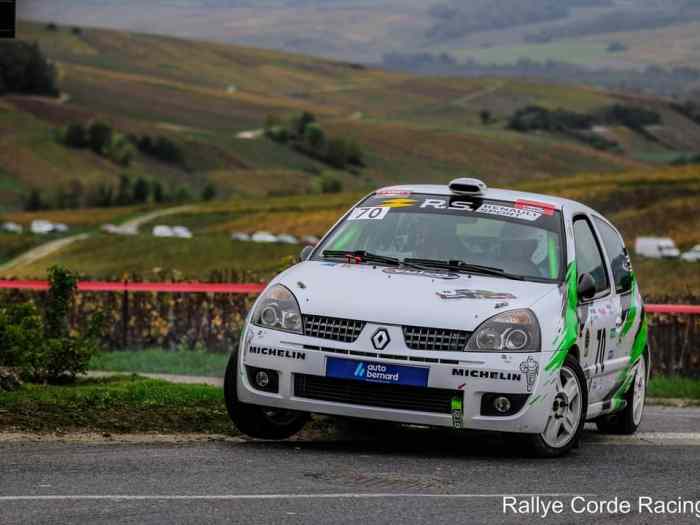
x,y
645,438
351,495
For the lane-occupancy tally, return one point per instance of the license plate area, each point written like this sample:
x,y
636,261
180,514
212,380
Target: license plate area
x,y
376,372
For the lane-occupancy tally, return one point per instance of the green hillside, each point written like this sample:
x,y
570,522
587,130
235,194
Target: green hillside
x,y
202,95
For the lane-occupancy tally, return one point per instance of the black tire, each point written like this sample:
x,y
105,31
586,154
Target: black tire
x,y
258,421
623,422
536,445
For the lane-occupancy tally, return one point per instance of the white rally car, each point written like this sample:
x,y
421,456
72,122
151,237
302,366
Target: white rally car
x,y
451,306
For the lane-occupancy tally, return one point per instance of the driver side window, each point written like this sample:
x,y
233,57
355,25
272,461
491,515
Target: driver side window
x,y
589,258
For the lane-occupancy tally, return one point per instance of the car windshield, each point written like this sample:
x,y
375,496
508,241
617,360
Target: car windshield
x,y
519,237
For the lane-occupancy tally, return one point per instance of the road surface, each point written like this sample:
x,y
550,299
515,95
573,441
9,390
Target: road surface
x,y
406,475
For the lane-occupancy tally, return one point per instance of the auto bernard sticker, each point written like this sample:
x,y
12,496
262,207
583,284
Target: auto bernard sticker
x,y
376,213
474,294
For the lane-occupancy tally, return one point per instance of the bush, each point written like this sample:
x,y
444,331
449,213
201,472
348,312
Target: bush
x,y
119,150
534,118
327,183
65,354
21,331
34,201
314,136
337,153
209,192
44,348
278,134
142,190
75,136
99,137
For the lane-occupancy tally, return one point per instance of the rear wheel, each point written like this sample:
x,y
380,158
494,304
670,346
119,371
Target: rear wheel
x,y
258,421
627,420
566,416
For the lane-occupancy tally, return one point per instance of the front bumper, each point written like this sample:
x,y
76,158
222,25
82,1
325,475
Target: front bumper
x,y
466,376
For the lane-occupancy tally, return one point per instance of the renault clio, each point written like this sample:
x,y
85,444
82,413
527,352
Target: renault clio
x,y
451,306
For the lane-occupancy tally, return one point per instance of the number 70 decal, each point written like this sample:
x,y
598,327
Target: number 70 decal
x,y
370,213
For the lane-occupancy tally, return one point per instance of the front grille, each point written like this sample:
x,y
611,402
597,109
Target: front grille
x,y
440,339
400,397
333,328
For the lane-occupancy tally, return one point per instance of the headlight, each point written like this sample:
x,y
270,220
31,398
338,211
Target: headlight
x,y
278,309
516,331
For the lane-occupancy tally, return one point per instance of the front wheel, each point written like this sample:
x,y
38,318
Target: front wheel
x,y
258,421
566,415
627,420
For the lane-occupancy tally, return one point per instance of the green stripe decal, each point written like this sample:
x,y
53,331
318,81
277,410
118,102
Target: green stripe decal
x,y
626,377
567,338
634,309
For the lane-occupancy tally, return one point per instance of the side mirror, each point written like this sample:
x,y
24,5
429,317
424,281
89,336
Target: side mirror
x,y
586,286
306,252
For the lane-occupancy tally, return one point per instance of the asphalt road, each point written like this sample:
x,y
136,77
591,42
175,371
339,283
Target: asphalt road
x,y
405,475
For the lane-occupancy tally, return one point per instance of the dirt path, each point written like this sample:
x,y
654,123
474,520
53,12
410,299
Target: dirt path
x,y
139,221
51,247
42,251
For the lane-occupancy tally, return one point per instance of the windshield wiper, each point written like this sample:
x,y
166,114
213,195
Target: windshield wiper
x,y
364,256
465,266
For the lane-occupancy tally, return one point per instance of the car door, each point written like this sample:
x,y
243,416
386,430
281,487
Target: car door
x,y
621,339
597,315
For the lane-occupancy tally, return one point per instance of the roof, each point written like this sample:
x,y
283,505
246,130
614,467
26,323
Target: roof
x,y
491,193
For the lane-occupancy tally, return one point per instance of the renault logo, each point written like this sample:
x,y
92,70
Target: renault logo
x,y
380,339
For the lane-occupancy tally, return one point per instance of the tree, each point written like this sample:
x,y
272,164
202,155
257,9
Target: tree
x,y
141,191
76,31
34,201
124,193
157,191
337,153
314,136
327,183
183,194
101,197
99,136
301,121
355,155
24,69
120,150
75,135
485,116
209,192
51,26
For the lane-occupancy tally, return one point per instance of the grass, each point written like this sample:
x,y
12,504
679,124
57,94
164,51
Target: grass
x,y
674,387
155,361
109,257
12,245
117,404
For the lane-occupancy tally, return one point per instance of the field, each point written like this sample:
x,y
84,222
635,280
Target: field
x,y
657,202
201,95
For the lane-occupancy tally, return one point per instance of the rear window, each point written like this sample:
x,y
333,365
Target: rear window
x,y
516,236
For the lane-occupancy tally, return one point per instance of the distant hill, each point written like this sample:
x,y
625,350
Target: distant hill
x,y
210,100
653,32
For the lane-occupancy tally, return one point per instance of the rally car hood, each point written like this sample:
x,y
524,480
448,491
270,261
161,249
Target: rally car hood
x,y
403,296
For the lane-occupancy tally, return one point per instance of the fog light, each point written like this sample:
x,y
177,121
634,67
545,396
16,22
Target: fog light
x,y
501,404
262,379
